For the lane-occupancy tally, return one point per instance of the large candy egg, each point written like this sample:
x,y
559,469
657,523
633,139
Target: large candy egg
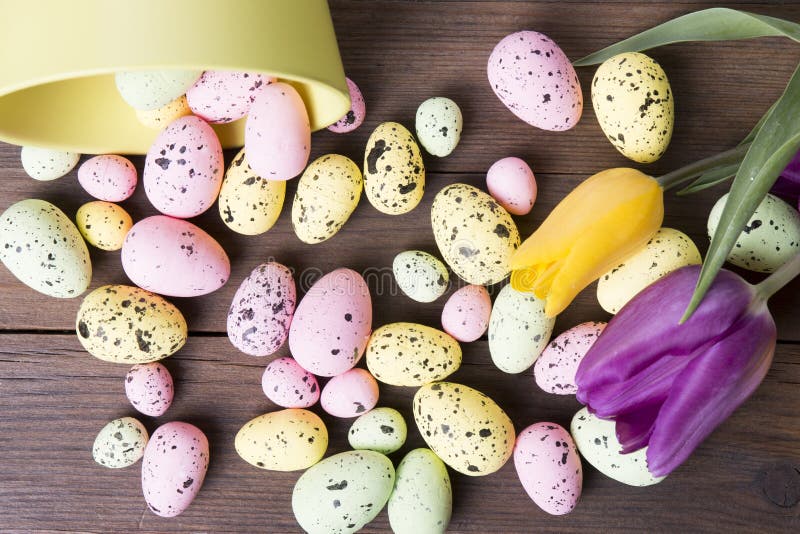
x,y
394,175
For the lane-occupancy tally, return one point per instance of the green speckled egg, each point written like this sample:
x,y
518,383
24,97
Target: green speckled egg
x,y
286,440
249,204
421,276
381,430
438,125
120,443
422,500
633,102
103,224
394,174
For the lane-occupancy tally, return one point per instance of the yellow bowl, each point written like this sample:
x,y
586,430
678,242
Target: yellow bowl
x,y
58,59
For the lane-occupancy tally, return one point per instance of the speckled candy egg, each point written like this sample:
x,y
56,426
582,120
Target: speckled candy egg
x,y
249,204
43,249
408,354
262,310
422,500
151,89
183,169
533,77
160,118
556,367
221,96
277,136
394,174
327,194
666,251
288,385
45,164
518,330
286,440
174,257
464,427
174,467
439,123
108,177
549,467
770,238
350,394
103,224
120,443
511,183
343,493
421,276
475,235
355,116
149,388
332,323
466,313
381,430
633,103
125,324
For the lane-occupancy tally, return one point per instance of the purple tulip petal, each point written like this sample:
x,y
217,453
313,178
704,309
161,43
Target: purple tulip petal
x,y
635,428
788,184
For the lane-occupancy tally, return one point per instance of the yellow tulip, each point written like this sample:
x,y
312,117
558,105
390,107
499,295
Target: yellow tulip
x,y
601,222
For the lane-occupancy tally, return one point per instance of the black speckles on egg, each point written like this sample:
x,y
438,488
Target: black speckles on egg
x,y
149,388
421,276
394,174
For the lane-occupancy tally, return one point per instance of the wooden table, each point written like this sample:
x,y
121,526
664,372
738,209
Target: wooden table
x,y
54,397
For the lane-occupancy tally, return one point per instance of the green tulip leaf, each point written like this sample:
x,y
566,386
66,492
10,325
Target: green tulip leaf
x,y
710,179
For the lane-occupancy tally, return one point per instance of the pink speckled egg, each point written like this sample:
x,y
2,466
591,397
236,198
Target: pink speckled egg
x,y
512,184
174,257
174,467
183,169
288,385
556,367
549,467
535,80
277,135
149,388
358,110
350,394
108,177
262,310
466,313
221,96
332,324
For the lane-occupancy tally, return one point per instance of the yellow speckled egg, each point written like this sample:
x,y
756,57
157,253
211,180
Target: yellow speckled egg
x,y
633,102
249,204
667,250
464,427
125,324
408,354
326,196
159,118
103,224
475,235
394,175
286,440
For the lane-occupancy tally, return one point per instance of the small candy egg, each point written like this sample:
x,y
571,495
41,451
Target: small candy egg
x,y
120,443
421,276
108,177
45,164
422,500
394,174
770,238
159,118
355,116
149,388
288,385
381,430
286,440
438,125
221,96
350,394
103,225
466,313
555,368
151,89
511,183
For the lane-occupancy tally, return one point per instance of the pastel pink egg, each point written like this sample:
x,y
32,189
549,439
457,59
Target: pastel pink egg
x,y
174,257
288,385
277,136
332,324
466,313
512,184
221,96
174,467
183,169
556,367
355,116
536,81
149,388
108,177
549,467
350,394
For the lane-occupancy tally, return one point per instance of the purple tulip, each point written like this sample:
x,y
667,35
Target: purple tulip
x,y
788,185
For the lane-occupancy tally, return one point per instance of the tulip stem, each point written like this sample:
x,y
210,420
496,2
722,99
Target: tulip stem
x,y
785,274
693,170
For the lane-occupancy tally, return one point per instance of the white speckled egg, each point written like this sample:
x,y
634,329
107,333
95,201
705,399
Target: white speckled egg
x,y
149,388
286,440
556,367
45,164
512,184
439,123
381,430
422,500
421,276
288,385
770,238
103,225
151,89
120,443
518,330
108,177
221,96
394,174
350,394
160,118
466,313
249,204
355,116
